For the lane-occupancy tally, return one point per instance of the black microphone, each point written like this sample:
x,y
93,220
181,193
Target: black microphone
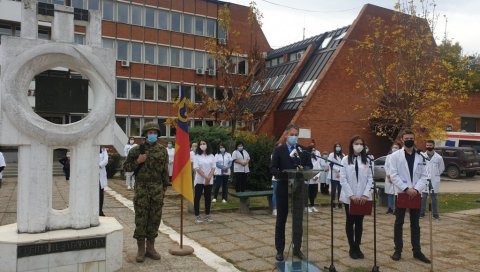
x,y
142,149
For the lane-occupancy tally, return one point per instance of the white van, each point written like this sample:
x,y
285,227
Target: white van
x,y
462,139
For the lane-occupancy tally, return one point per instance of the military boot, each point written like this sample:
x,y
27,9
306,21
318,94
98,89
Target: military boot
x,y
151,252
141,251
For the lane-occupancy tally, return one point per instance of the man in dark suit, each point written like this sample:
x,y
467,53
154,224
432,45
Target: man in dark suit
x,y
290,156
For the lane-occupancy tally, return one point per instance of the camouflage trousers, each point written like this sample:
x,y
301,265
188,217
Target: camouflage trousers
x,y
148,204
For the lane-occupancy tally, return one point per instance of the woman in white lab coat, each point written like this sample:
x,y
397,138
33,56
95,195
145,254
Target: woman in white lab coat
x,y
103,161
435,167
356,180
336,157
389,188
129,178
171,156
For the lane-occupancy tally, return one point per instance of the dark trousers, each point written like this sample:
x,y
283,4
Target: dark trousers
x,y
336,187
100,200
312,193
240,182
298,194
353,228
207,193
220,180
414,229
324,188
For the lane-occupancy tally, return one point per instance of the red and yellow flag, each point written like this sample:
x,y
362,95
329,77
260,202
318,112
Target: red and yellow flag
x,y
182,167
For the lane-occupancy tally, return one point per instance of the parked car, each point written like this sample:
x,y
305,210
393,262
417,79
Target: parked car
x,y
379,169
459,160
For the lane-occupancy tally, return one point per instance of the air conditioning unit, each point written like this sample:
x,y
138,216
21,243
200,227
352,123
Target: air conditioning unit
x,y
199,71
222,41
125,63
264,55
211,72
299,55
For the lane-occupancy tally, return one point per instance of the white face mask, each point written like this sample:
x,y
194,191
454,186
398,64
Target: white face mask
x,y
357,148
169,145
338,149
132,141
203,147
394,149
240,148
222,150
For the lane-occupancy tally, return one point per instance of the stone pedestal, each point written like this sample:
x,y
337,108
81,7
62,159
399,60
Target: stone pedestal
x,y
93,249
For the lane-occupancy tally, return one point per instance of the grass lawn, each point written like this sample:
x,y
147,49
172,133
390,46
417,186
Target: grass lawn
x,y
458,202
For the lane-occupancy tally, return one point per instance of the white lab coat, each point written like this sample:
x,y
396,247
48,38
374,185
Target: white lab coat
x,y
236,155
127,148
348,179
224,159
316,166
335,170
2,163
103,158
435,167
171,155
322,175
389,187
400,173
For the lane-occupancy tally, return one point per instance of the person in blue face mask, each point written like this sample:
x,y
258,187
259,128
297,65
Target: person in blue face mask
x,y
336,156
289,156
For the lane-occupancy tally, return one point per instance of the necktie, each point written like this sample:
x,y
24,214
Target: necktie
x,y
356,167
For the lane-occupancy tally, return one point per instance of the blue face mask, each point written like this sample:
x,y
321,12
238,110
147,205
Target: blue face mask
x,y
292,140
152,138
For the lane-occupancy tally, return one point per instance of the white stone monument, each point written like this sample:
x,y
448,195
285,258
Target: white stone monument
x,y
44,238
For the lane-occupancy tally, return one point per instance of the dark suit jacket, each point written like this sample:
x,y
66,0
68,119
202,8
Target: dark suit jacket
x,y
281,160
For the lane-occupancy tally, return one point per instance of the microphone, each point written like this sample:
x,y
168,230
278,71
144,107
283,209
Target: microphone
x,y
142,149
294,154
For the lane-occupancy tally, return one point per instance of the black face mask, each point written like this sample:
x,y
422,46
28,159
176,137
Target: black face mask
x,y
430,148
409,143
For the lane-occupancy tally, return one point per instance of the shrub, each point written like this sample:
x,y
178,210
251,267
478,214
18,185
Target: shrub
x,y
113,165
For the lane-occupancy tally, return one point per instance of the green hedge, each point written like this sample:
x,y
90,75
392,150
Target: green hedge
x,y
114,162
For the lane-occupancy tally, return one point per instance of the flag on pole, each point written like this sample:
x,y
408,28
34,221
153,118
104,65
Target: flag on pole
x,y
182,167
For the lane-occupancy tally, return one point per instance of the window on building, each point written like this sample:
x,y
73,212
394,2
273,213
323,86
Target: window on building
x,y
274,61
187,58
122,50
17,32
280,60
209,123
163,55
469,124
199,59
187,90
162,90
163,18
163,127
188,23
108,10
79,39
242,66
5,30
198,123
149,90
222,33
108,43
121,88
176,18
175,56
44,34
210,91
210,62
137,51
134,127
199,25
278,83
135,89
174,92
149,54
198,95
211,26
122,12
325,42
136,15
149,17
122,122
93,4
77,4
59,2
219,94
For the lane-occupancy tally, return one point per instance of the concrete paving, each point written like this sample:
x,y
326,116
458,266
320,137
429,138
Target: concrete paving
x,y
247,241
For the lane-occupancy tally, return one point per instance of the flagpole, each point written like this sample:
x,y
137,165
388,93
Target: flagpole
x,y
181,222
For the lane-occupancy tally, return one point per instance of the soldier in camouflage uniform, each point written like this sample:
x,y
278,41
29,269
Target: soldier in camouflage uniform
x,y
151,178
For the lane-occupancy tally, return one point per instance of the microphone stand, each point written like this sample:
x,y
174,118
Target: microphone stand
x,y
430,192
375,268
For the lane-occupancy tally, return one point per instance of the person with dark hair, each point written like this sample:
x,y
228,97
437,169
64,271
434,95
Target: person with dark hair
x,y
241,159
102,165
204,165
435,167
408,175
389,188
171,156
65,162
289,156
336,156
129,177
223,161
313,183
356,180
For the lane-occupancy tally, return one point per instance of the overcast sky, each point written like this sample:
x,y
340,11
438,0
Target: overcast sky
x,y
284,25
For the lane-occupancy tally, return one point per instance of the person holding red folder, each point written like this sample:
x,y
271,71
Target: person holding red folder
x,y
356,180
408,174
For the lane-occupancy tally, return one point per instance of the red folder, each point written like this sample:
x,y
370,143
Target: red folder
x,y
404,201
357,209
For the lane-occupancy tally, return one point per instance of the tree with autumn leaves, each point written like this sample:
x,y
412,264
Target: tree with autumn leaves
x,y
405,76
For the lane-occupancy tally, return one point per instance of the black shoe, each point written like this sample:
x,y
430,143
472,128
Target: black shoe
x,y
101,214
389,211
279,257
360,253
394,212
299,254
353,254
339,205
419,256
422,215
397,255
